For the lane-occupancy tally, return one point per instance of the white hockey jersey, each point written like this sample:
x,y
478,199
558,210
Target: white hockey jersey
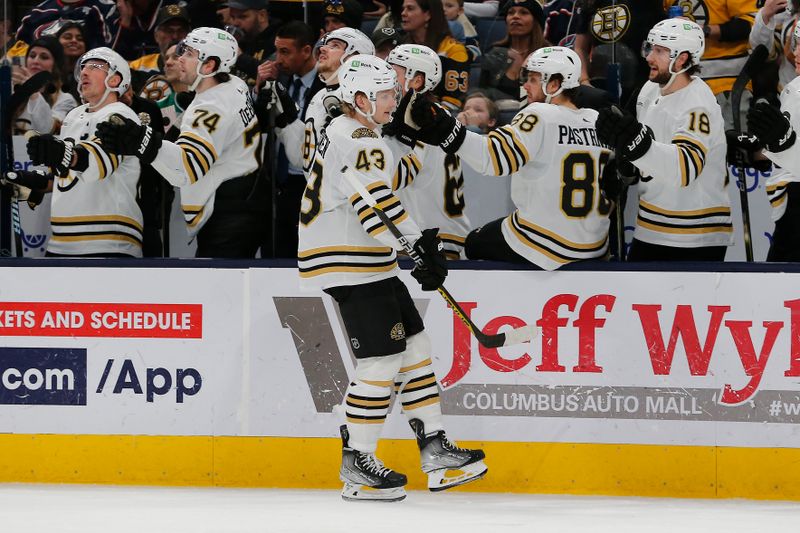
x,y
555,161
300,139
95,211
683,196
789,159
433,194
220,140
342,241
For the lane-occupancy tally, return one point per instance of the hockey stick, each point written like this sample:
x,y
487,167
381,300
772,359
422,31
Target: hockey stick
x,y
515,336
754,62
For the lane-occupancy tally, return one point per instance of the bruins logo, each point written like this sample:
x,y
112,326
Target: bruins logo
x,y
361,133
610,23
156,89
398,332
695,10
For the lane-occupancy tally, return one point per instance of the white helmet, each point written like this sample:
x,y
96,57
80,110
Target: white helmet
x,y
116,65
366,74
679,35
210,42
417,59
356,41
555,60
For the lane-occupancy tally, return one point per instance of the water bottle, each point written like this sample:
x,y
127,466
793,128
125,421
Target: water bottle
x,y
675,11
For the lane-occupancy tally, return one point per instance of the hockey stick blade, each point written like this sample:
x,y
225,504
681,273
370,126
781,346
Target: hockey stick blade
x,y
515,336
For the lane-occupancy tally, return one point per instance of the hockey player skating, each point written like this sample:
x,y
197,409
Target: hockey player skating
x,y
93,210
347,251
677,143
215,159
433,189
555,159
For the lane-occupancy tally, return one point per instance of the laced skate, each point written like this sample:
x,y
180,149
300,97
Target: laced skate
x,y
366,478
446,464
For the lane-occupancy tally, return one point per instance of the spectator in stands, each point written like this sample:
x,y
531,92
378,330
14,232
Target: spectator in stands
x,y
43,110
601,24
392,17
385,39
137,23
73,39
255,35
726,26
424,23
501,66
165,90
341,14
172,25
99,19
558,27
480,113
454,13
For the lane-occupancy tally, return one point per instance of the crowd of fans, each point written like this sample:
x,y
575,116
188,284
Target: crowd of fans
x,y
482,46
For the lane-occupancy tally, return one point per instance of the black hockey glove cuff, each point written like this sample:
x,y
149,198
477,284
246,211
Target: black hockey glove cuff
x,y
437,126
32,179
273,98
771,127
121,135
401,127
621,130
51,151
431,250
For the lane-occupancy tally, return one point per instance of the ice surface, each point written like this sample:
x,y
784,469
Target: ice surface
x,y
94,509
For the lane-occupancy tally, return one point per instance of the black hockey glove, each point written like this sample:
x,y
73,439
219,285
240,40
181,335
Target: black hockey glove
x,y
617,177
121,135
402,127
430,249
32,179
51,151
742,148
437,126
620,130
273,98
771,127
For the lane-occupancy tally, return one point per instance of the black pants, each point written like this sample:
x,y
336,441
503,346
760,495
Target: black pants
x,y
287,215
644,251
786,237
239,221
487,242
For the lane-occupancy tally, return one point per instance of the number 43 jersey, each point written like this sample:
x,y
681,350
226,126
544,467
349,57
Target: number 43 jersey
x,y
342,240
555,161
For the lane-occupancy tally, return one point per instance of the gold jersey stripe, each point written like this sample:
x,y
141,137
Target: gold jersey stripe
x,y
536,246
102,237
355,402
377,383
343,249
205,143
426,362
668,213
332,270
560,240
362,421
424,384
97,219
683,231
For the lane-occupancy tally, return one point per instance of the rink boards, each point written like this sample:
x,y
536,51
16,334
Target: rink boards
x,y
641,382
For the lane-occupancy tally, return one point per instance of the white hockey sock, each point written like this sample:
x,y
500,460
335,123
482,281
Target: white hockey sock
x,y
416,384
367,400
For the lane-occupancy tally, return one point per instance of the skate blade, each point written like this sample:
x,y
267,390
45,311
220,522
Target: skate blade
x,y
448,478
363,493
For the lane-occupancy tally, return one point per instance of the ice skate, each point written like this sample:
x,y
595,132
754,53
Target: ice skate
x,y
365,478
446,464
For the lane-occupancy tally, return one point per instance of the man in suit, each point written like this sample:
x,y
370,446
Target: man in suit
x,y
295,68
